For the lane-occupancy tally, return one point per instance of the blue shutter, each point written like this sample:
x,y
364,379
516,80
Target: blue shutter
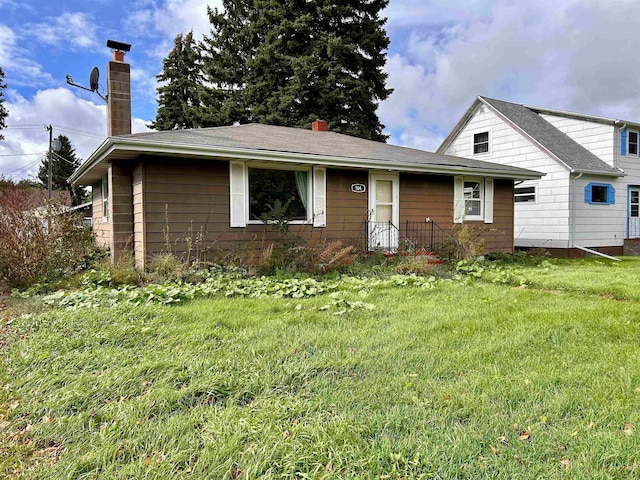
x,y
623,141
611,195
587,194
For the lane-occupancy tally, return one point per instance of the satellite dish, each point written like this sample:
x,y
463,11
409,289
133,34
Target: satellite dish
x,y
93,83
93,79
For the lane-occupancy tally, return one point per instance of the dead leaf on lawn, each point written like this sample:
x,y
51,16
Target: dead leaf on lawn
x,y
628,428
503,440
286,434
565,463
637,390
523,436
494,450
592,426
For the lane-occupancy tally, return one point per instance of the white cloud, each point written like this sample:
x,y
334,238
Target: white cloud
x,y
15,60
68,29
82,121
564,54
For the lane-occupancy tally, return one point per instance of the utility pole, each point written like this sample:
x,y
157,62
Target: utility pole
x,y
50,169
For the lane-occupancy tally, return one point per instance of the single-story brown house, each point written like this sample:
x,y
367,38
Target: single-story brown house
x,y
214,186
148,186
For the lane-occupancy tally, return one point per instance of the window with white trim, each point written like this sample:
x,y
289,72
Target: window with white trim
x,y
480,143
524,194
632,146
272,190
105,198
473,198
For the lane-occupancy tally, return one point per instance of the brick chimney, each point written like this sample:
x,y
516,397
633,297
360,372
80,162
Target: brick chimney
x,y
320,126
118,91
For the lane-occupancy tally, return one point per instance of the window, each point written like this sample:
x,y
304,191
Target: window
x,y
599,194
524,194
633,143
105,199
278,192
473,199
481,143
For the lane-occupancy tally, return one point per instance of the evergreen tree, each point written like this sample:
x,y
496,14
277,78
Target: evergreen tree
x,y
319,59
180,96
4,113
63,165
290,62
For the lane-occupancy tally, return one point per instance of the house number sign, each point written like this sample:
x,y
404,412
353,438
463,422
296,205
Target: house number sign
x,y
358,187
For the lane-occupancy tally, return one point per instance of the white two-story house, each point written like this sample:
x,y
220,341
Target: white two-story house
x,y
589,196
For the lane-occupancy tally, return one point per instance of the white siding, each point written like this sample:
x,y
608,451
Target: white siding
x,y
598,138
541,224
630,163
600,225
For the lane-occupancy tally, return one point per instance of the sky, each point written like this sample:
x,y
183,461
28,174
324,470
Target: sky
x,y
575,55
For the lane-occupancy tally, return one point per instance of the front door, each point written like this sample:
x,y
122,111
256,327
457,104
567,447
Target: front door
x,y
634,212
383,206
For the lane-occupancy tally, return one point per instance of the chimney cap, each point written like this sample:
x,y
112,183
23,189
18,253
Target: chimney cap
x,y
120,46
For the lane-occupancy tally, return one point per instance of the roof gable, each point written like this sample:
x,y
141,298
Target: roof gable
x,y
565,149
547,137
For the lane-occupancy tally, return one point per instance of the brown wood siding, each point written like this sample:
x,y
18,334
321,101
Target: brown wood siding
x,y
190,197
121,209
101,230
184,200
138,215
431,196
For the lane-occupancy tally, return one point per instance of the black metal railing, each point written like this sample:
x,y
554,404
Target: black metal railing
x,y
383,236
411,237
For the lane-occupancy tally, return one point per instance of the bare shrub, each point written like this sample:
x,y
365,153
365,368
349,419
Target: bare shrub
x,y
40,243
334,256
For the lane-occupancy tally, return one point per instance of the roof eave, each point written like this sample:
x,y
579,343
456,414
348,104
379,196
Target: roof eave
x,y
136,147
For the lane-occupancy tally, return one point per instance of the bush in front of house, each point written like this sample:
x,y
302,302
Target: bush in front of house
x,y
40,243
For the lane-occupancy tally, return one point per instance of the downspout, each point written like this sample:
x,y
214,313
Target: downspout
x,y
616,146
573,224
572,208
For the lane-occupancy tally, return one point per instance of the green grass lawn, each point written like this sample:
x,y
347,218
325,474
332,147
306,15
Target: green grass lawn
x,y
458,381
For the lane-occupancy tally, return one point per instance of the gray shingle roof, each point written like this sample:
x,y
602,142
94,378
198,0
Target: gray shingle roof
x,y
568,151
307,142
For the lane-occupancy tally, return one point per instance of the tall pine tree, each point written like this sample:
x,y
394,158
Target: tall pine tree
x,y
63,165
180,95
4,113
289,62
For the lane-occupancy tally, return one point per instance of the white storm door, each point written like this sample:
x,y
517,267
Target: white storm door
x,y
383,204
634,212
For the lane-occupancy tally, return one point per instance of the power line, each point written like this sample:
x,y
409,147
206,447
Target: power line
x,y
79,132
22,169
62,158
18,154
